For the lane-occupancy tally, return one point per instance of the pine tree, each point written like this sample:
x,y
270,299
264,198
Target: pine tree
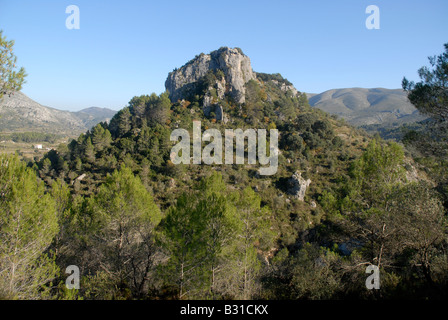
x,y
219,220
252,234
378,171
126,216
124,121
61,195
28,224
158,111
430,95
197,233
101,137
89,151
182,241
10,80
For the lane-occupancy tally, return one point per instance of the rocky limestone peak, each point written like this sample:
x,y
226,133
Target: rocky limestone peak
x,y
232,62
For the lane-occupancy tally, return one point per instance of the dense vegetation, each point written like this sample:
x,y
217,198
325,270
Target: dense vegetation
x,y
31,137
139,227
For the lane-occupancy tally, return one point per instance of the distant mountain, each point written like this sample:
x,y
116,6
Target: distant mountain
x,y
367,107
93,115
98,112
19,113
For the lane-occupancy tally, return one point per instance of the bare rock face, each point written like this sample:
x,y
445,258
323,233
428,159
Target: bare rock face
x,y
219,113
232,62
285,88
298,186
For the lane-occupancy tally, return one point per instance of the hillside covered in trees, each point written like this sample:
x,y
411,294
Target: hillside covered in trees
x,y
138,226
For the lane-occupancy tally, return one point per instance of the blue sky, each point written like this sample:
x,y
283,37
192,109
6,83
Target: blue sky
x,y
127,48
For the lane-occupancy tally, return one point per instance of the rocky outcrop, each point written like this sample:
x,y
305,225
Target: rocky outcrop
x,y
234,64
220,116
287,87
298,186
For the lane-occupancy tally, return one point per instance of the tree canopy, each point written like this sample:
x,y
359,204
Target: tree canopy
x,y
430,95
10,79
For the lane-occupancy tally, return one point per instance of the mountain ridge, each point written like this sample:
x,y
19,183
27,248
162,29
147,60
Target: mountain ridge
x,y
367,106
20,113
